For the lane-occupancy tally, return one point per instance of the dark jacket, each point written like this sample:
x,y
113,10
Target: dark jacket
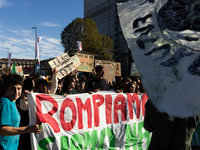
x,y
168,133
96,83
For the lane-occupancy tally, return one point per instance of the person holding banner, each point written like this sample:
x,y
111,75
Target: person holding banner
x,y
98,83
130,88
42,84
9,115
69,86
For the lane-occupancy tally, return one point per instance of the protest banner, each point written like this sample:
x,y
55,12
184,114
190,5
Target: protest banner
x,y
134,70
65,64
167,55
87,62
104,120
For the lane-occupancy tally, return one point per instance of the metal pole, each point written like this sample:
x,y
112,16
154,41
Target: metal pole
x,y
35,48
8,59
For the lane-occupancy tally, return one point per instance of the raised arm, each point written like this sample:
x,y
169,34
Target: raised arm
x,y
54,83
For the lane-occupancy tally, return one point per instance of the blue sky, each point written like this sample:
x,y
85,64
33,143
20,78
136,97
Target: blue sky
x,y
49,16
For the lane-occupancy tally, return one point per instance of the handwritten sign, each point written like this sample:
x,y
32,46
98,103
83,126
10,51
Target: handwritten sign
x,y
85,121
117,65
87,62
19,70
117,68
109,72
65,64
167,55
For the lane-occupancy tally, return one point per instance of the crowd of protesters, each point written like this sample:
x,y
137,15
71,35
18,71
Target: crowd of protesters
x,y
14,90
14,115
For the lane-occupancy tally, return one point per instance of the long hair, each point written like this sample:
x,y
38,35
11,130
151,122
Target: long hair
x,y
67,81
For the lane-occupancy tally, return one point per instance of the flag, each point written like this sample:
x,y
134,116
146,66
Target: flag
x,y
13,68
79,43
9,59
37,48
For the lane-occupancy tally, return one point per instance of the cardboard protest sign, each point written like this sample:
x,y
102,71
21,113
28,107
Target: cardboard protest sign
x,y
87,62
103,120
117,69
64,64
19,70
166,50
109,72
134,70
75,61
117,65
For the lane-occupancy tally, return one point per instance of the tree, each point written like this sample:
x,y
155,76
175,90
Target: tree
x,y
85,30
71,34
107,47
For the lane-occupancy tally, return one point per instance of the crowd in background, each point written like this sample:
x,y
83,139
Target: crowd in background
x,y
14,90
80,83
74,83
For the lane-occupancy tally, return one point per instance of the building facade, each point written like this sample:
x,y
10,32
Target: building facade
x,y
25,63
104,13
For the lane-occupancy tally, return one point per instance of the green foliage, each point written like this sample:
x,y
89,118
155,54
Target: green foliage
x,y
85,30
107,47
92,38
71,34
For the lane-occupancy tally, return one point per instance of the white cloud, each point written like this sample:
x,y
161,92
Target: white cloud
x,y
24,46
20,32
50,48
52,40
50,24
4,3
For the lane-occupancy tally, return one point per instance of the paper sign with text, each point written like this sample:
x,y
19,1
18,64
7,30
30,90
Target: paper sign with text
x,y
65,64
117,65
109,72
117,69
87,62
